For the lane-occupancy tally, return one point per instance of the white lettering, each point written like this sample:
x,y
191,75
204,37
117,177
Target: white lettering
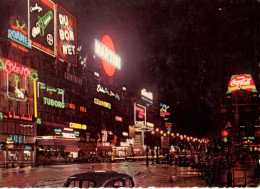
x,y
107,54
63,19
244,81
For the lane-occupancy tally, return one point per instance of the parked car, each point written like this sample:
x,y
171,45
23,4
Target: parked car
x,y
97,179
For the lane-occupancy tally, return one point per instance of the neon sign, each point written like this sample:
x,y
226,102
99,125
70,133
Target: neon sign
x,y
72,106
139,114
118,118
83,109
102,103
146,94
243,81
18,33
17,139
19,37
49,93
55,103
149,124
22,117
106,51
16,81
78,126
42,22
67,38
106,91
168,124
16,68
163,110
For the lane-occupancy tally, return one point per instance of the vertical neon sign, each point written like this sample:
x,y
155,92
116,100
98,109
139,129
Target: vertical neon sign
x,y
67,36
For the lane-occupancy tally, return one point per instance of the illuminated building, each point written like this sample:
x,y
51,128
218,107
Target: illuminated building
x,y
17,121
240,112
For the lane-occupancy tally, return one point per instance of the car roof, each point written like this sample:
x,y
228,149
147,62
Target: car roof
x,y
99,177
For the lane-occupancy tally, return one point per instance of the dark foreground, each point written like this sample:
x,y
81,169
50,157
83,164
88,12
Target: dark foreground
x,y
156,175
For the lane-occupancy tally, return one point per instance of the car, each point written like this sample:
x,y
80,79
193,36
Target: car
x,y
97,179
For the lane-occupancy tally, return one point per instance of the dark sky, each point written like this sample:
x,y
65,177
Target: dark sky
x,y
188,48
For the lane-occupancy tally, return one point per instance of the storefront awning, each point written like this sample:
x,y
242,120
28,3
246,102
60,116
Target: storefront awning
x,y
139,127
71,149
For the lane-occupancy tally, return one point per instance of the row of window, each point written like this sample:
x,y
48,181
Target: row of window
x,y
16,128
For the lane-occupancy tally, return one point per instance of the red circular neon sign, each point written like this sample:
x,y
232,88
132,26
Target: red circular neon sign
x,y
109,69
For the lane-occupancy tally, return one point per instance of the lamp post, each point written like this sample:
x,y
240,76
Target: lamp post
x,y
157,150
147,163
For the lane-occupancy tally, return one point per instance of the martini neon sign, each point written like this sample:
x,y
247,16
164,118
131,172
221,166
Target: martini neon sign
x,y
106,51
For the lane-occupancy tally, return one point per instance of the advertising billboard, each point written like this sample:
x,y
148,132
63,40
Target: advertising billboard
x,y
139,114
242,81
106,51
42,25
18,78
18,31
66,36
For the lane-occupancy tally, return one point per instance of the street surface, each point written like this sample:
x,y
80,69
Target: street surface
x,y
55,175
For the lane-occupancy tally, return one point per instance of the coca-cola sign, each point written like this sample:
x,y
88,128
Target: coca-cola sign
x,y
243,81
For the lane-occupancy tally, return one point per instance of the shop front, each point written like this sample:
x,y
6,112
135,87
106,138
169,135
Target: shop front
x,y
56,149
104,151
17,150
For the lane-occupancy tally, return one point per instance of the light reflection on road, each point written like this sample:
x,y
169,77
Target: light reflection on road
x,y
55,175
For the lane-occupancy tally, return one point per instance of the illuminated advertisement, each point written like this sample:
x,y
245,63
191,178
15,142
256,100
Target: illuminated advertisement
x,y
106,51
118,118
42,25
66,36
18,32
12,115
100,89
51,96
139,114
102,103
147,96
78,126
163,110
168,124
131,131
17,79
243,81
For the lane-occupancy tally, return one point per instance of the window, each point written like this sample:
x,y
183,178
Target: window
x,y
88,184
18,108
17,128
9,127
115,183
1,126
5,127
257,133
242,133
21,129
28,108
118,184
28,130
74,183
10,103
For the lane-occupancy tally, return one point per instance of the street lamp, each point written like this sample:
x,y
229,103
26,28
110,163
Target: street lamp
x,y
157,152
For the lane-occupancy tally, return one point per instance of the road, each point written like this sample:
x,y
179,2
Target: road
x,y
55,175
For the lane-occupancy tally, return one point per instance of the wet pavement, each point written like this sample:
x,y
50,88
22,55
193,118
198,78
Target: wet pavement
x,y
55,175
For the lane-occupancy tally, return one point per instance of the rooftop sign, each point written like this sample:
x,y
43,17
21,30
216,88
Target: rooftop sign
x,y
242,81
106,51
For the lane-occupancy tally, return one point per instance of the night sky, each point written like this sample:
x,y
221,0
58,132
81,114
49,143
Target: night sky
x,y
188,48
